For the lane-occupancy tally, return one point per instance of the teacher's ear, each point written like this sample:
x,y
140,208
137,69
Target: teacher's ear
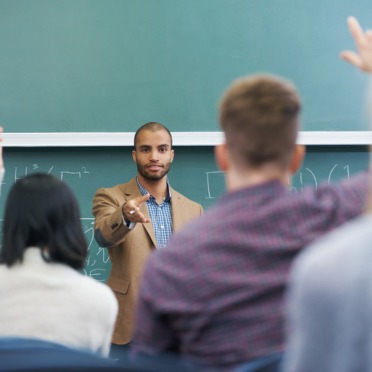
x,y
134,156
221,155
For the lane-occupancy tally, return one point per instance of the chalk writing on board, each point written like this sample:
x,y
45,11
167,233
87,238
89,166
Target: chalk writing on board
x,y
309,177
97,262
62,174
305,177
215,181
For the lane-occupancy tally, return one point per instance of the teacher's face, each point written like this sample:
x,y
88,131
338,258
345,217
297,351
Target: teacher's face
x,y
153,154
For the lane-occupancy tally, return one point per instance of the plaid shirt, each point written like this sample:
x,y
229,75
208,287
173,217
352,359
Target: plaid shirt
x,y
161,216
215,293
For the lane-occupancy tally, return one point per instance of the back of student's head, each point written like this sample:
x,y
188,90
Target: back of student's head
x,y
41,211
260,117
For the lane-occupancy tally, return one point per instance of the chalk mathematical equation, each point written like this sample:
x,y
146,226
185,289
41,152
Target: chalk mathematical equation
x,y
62,174
308,177
97,264
65,175
305,177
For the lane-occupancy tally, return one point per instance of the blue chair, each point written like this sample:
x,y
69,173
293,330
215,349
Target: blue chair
x,y
18,354
31,355
270,363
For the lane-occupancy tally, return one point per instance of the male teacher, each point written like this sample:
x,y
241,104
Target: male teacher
x,y
132,219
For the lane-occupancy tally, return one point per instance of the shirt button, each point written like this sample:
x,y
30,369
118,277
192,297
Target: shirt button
x,y
162,226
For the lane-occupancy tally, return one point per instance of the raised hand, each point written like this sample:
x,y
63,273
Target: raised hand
x,y
362,58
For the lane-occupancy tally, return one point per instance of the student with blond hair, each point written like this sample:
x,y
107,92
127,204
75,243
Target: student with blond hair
x,y
214,295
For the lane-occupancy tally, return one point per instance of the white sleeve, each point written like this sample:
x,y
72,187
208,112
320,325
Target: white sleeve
x,y
2,173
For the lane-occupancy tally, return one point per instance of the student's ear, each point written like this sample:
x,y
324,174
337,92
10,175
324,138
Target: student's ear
x,y
297,158
134,156
221,154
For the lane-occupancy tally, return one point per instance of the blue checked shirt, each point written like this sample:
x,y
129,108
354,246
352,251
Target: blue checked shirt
x,y
161,216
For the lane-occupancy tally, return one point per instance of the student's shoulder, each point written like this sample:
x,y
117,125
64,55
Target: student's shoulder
x,y
196,238
97,296
95,287
333,267
327,193
357,182
340,248
5,275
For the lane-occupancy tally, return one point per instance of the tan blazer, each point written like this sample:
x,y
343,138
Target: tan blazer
x,y
129,249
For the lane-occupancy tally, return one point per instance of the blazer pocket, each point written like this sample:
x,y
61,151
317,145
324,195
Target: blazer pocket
x,y
118,285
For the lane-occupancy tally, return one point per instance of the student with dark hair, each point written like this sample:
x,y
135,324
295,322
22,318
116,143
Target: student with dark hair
x,y
42,295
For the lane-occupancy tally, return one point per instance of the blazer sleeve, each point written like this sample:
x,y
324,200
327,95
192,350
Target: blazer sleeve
x,y
109,226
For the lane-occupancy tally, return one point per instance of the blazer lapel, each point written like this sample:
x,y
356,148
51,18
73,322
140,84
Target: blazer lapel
x,y
148,226
179,217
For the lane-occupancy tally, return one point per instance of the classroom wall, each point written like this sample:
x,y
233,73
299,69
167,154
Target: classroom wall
x,y
98,65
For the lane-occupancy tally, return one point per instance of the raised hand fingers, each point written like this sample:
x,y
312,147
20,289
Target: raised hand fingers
x,y
362,59
357,32
352,57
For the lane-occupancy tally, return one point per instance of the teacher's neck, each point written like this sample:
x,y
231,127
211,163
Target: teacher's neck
x,y
157,188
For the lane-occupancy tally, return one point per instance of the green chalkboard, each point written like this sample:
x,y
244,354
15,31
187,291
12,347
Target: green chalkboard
x,y
111,65
193,173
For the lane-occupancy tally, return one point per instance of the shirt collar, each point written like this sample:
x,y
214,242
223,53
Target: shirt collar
x,y
167,199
